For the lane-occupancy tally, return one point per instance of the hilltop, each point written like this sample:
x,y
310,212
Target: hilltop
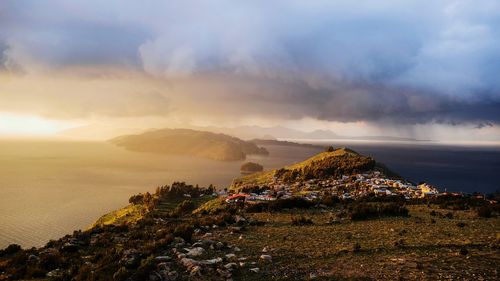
x,y
335,162
190,142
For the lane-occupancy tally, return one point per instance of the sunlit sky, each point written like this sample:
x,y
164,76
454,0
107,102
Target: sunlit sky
x,y
419,69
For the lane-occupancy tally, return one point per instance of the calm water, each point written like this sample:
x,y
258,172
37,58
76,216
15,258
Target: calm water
x,y
48,189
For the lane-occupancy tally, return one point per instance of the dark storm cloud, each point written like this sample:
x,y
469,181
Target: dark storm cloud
x,y
383,61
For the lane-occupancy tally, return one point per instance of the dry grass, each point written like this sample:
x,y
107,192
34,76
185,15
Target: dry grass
x,y
391,248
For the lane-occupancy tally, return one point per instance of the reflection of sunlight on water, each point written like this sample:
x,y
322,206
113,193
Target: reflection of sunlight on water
x,y
48,189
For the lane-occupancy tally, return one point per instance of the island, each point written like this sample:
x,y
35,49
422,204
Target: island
x,y
251,167
202,144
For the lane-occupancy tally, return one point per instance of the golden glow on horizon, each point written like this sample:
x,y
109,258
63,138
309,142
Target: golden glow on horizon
x,y
30,125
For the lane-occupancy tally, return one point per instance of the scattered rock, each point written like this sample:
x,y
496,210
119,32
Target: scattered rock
x,y
230,256
231,265
163,258
195,271
267,258
255,270
189,263
195,252
212,261
219,245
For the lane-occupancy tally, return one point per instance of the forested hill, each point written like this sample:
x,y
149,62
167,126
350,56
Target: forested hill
x,y
190,142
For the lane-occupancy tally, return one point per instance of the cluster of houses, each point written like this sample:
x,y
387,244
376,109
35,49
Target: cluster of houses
x,y
371,183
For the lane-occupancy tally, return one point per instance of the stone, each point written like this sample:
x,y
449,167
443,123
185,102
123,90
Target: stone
x,y
189,263
212,261
255,269
230,256
265,249
236,249
231,265
195,252
219,245
267,258
198,244
235,229
239,219
163,258
195,271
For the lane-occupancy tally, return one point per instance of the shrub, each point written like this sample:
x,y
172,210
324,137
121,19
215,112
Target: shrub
x,y
301,220
182,208
290,203
11,249
185,231
257,208
362,211
330,200
484,211
356,247
464,251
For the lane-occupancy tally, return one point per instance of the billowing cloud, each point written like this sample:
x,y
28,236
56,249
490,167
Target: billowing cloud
x,y
402,62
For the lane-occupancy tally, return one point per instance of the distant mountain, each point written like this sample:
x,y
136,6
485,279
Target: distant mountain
x,y
190,142
280,132
284,143
277,132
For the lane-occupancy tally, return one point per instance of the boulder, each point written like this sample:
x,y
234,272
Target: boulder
x,y
195,252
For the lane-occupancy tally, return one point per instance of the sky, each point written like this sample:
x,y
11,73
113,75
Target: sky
x,y
420,69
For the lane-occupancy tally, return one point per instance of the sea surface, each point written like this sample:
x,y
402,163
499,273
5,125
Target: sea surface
x,y
50,188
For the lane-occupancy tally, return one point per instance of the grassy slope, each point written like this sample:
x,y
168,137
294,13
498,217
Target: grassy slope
x,y
128,214
430,251
133,213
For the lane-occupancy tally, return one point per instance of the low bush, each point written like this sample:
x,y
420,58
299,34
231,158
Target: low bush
x,y
185,231
362,211
11,249
182,208
290,203
301,220
484,211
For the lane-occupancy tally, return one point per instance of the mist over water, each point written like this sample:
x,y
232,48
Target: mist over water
x,y
48,189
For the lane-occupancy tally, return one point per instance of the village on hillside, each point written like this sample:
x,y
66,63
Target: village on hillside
x,y
370,183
